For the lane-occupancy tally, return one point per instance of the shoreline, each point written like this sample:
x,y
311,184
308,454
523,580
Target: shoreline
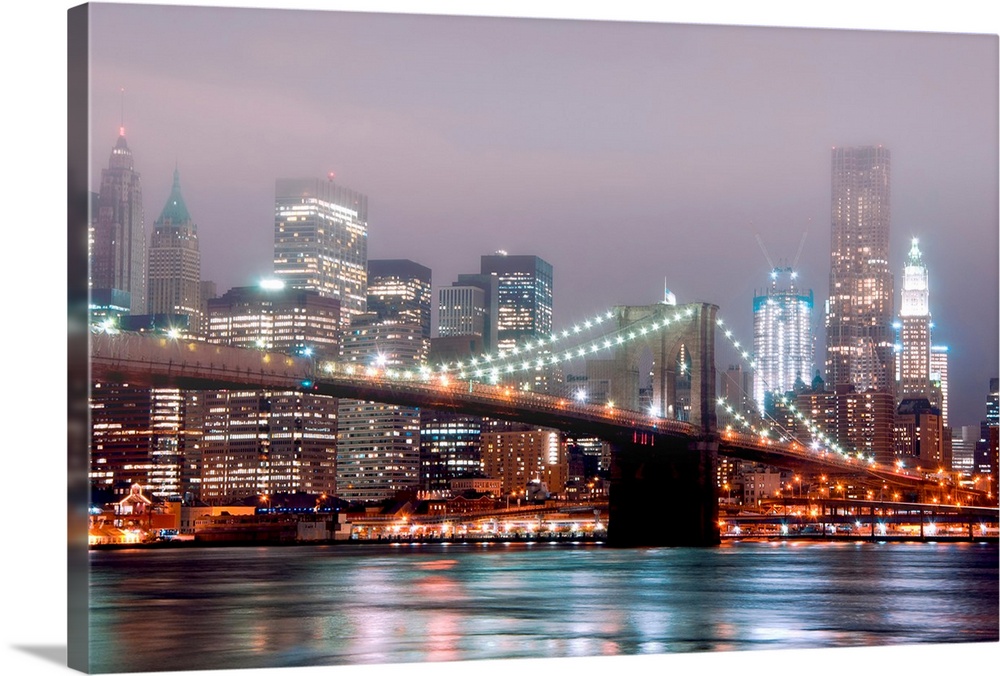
x,y
202,544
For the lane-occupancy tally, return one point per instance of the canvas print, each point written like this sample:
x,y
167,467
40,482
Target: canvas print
x,y
409,339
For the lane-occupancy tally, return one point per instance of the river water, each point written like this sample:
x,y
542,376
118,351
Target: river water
x,y
239,608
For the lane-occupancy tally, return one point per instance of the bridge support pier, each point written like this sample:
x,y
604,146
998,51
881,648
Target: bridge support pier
x,y
664,495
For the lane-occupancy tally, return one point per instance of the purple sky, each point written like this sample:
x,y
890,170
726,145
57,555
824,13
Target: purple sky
x,y
625,154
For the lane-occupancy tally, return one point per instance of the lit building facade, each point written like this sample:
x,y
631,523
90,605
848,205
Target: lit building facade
x,y
461,311
399,291
860,422
174,273
524,300
859,341
256,444
379,444
782,330
921,439
914,377
321,241
449,448
118,249
517,458
939,380
143,436
272,316
261,442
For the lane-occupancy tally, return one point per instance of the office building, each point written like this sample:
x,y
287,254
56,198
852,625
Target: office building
x,y
939,379
321,241
258,443
859,341
272,316
782,335
921,439
963,449
462,311
449,448
860,422
261,442
914,377
524,298
378,453
141,436
118,248
174,272
399,291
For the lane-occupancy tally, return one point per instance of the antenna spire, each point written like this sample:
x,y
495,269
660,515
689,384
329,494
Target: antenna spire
x,y
121,129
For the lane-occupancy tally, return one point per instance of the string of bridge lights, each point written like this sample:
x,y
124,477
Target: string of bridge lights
x,y
813,428
524,357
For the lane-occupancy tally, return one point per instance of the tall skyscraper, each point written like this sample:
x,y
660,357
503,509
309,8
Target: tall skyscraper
x,y
378,451
118,252
859,341
782,335
321,241
175,262
915,330
524,308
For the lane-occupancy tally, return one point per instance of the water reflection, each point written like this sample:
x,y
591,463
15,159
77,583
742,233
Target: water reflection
x,y
242,608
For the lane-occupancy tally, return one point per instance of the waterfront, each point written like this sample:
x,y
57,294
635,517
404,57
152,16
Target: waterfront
x,y
229,608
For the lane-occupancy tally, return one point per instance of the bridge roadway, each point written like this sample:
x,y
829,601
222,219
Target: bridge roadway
x,y
158,361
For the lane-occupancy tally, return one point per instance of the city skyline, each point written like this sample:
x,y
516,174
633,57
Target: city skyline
x,y
38,39
690,134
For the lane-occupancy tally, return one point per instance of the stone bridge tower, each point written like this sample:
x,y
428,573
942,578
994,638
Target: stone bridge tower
x,y
691,333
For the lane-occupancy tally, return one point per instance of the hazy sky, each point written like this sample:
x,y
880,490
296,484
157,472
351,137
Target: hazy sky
x,y
628,155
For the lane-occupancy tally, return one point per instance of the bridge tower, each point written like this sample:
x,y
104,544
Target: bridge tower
x,y
691,334
664,494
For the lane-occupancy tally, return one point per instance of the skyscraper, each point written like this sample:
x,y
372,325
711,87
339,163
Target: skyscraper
x,y
524,307
461,311
175,262
400,291
782,335
118,252
915,330
321,241
859,347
